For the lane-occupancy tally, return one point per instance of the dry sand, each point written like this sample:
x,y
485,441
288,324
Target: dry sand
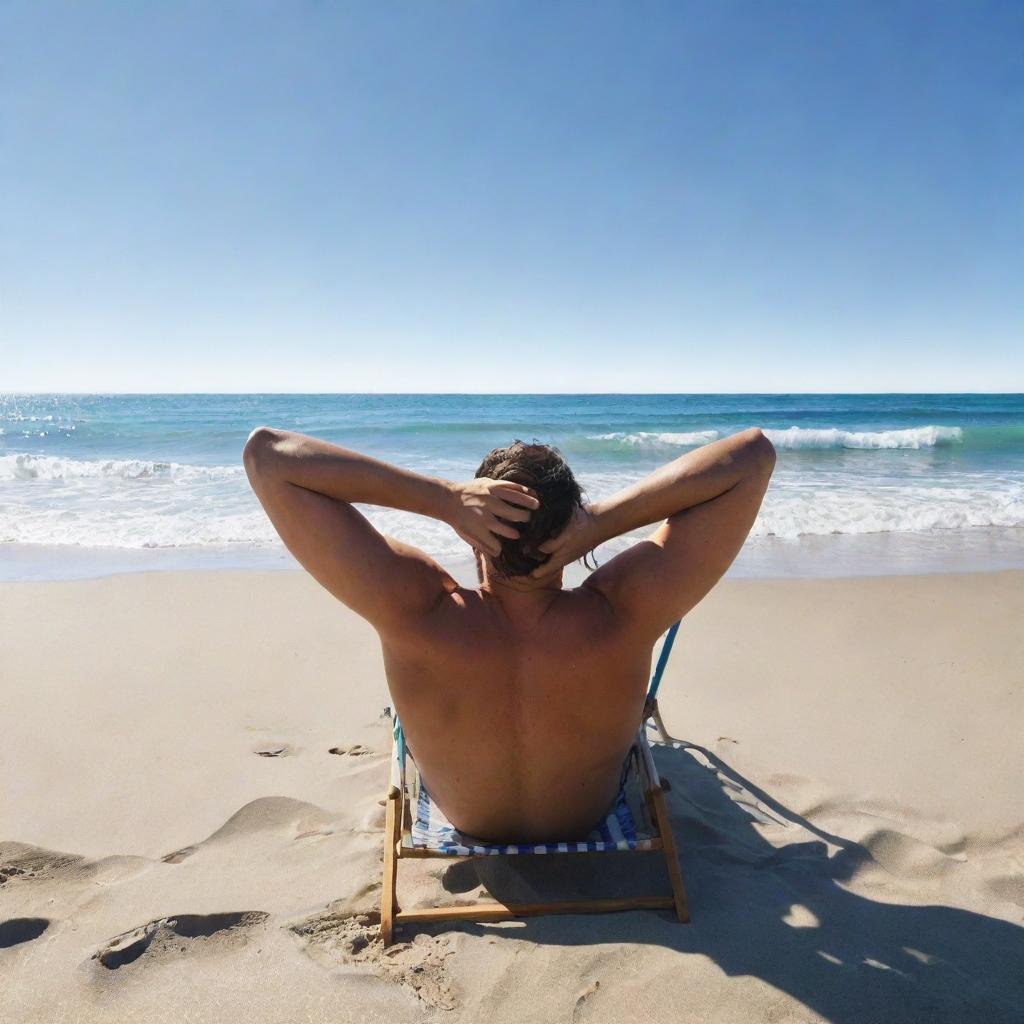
x,y
191,769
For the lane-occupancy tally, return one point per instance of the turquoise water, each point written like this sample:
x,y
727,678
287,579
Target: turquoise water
x,y
115,476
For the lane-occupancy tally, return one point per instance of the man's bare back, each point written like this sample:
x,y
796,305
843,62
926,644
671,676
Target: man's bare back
x,y
519,699
519,723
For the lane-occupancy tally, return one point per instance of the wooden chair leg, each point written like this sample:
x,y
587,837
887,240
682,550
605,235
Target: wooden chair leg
x,y
675,875
388,894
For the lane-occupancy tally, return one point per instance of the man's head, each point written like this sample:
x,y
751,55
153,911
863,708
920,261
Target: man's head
x,y
541,468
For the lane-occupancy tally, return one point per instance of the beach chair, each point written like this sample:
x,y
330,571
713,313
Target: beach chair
x,y
638,821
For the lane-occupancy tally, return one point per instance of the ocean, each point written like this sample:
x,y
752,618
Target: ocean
x,y
91,484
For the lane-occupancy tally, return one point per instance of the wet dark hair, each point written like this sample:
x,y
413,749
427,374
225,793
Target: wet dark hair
x,y
541,468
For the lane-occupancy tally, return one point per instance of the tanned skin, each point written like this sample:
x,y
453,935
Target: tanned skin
x,y
519,698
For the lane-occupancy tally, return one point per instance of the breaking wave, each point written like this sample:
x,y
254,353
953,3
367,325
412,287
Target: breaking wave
x,y
832,437
799,437
52,467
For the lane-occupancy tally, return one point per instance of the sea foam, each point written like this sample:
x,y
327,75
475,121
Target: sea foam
x,y
213,506
798,512
51,467
653,439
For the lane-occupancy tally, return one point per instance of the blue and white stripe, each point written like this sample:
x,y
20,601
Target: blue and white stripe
x,y
431,830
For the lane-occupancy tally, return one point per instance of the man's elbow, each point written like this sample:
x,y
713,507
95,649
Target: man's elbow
x,y
759,451
260,449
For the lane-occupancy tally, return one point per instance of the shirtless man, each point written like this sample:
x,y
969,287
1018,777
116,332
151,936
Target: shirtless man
x,y
519,699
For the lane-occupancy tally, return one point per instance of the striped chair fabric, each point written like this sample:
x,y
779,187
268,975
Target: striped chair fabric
x,y
432,831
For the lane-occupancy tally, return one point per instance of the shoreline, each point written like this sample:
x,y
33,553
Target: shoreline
x,y
836,556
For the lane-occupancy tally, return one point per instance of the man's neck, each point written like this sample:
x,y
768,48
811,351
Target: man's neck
x,y
522,599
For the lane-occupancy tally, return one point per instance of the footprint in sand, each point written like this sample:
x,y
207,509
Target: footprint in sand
x,y
178,855
16,930
20,862
332,939
356,750
274,750
183,933
582,1001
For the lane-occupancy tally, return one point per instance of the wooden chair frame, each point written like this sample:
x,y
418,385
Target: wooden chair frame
x,y
398,823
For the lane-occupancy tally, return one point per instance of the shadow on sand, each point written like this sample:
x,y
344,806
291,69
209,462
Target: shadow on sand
x,y
778,911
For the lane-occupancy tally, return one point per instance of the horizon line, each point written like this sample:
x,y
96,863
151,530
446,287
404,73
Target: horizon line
x,y
497,394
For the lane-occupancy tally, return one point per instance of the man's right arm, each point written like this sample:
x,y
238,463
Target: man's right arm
x,y
706,501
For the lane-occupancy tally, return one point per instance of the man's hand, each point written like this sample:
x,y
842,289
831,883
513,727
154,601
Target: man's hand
x,y
483,509
580,536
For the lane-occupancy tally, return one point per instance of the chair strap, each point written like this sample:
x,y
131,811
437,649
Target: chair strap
x,y
666,650
398,756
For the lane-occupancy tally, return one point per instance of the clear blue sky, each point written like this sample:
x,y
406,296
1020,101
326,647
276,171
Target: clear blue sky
x,y
511,196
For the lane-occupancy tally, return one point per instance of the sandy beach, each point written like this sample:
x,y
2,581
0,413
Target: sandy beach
x,y
191,777
691,291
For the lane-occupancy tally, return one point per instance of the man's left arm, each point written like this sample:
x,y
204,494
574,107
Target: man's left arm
x,y
308,488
